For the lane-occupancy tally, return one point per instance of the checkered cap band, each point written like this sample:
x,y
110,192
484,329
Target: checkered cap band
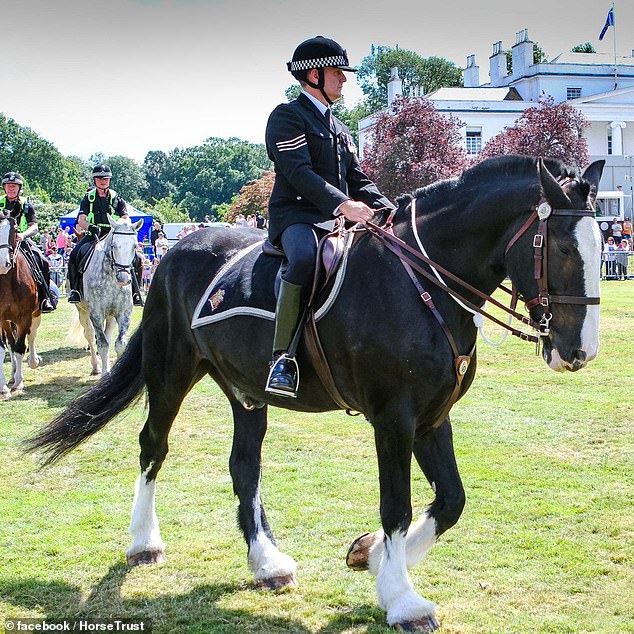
x,y
320,62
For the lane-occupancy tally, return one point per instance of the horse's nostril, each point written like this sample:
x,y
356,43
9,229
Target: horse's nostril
x,y
580,355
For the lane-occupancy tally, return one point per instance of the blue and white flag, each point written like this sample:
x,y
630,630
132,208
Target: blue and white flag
x,y
609,21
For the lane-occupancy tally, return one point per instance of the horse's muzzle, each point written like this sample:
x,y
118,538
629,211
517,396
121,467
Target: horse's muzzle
x,y
123,278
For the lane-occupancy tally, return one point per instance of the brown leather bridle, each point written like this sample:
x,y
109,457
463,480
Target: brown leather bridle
x,y
540,257
544,298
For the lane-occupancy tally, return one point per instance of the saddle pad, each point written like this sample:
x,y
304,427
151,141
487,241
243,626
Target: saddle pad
x,y
244,286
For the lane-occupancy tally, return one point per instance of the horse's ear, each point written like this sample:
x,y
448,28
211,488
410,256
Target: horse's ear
x,y
592,174
551,189
138,224
113,224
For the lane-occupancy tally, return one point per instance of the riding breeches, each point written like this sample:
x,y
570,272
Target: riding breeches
x,y
299,242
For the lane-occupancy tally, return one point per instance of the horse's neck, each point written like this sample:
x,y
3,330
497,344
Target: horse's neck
x,y
466,242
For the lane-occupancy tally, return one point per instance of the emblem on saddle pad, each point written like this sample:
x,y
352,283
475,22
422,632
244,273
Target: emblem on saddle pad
x,y
216,299
544,210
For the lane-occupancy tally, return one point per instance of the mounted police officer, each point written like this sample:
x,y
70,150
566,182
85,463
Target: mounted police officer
x,y
94,208
14,205
317,178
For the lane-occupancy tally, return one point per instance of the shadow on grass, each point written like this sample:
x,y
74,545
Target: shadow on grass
x,y
58,392
195,611
69,353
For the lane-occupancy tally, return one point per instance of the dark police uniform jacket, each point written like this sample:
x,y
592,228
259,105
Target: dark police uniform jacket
x,y
316,168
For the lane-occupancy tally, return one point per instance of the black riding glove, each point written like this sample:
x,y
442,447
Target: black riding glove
x,y
94,230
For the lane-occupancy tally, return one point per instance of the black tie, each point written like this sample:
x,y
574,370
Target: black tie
x,y
329,121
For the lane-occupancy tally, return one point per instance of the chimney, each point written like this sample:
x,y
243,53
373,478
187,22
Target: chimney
x,y
471,73
394,86
497,65
522,53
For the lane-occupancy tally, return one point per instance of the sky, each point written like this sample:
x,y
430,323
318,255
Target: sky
x,y
123,77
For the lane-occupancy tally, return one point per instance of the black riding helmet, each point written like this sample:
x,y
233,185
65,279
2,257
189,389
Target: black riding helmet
x,y
318,52
12,177
101,171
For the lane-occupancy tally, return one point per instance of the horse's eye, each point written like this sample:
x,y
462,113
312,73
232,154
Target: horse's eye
x,y
564,250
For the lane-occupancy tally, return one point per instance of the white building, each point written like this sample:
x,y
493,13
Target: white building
x,y
586,81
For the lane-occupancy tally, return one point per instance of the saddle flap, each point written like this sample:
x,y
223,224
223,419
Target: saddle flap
x,y
268,248
332,250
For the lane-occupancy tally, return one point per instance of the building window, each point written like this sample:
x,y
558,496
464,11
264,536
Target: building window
x,y
609,140
474,141
573,93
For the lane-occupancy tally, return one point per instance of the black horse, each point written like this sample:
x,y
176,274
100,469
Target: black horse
x,y
389,355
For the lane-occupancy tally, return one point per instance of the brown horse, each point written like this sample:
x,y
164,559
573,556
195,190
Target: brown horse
x,y
20,313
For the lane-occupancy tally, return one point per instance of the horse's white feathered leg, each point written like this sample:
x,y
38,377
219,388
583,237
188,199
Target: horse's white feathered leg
x,y
395,591
147,545
265,559
4,389
34,359
18,379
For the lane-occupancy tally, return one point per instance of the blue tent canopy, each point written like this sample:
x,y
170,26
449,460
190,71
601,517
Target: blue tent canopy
x,y
69,219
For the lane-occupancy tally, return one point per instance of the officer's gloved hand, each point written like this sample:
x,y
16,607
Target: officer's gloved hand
x,y
93,230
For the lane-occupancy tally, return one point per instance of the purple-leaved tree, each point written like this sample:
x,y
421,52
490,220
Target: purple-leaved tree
x,y
547,129
413,145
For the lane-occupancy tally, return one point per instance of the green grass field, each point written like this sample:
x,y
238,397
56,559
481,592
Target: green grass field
x,y
546,542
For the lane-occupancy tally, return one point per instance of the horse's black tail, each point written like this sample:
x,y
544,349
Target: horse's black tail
x,y
91,411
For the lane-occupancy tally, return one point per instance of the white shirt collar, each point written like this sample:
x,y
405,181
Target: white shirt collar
x,y
320,106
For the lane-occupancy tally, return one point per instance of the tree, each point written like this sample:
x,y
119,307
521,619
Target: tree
x,y
208,175
547,129
43,167
413,145
154,168
166,210
253,197
128,177
586,47
429,74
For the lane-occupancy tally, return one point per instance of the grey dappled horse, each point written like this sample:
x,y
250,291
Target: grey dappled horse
x,y
107,292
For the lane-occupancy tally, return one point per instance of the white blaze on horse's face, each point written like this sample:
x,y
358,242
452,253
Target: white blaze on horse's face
x,y
588,239
5,251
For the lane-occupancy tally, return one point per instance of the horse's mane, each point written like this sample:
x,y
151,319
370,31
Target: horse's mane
x,y
490,170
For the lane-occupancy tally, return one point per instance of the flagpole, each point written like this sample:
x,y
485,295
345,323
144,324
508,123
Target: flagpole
x,y
616,82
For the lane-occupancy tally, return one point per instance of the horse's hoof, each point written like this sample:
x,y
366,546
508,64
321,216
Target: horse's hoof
x,y
426,624
277,584
16,390
35,364
95,373
359,551
146,557
5,394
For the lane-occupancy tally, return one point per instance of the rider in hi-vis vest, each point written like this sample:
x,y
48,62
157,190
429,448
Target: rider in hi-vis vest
x,y
14,205
94,208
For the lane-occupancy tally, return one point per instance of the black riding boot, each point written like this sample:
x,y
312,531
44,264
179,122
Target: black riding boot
x,y
284,375
74,280
44,289
136,273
